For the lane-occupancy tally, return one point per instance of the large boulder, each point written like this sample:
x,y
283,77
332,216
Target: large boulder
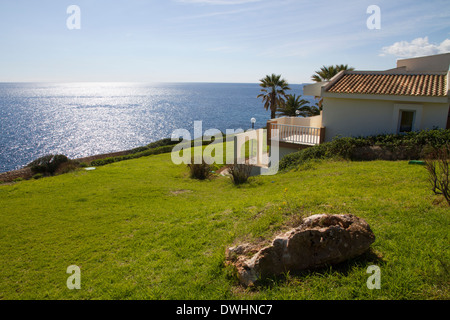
x,y
320,240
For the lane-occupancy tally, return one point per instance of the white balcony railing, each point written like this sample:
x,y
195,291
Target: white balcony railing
x,y
296,134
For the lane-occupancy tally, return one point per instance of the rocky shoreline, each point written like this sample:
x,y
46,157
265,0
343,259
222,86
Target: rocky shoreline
x,y
25,173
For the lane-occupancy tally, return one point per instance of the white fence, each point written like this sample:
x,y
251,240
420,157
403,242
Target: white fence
x,y
296,134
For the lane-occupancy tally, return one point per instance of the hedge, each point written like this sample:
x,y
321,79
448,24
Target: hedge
x,y
417,142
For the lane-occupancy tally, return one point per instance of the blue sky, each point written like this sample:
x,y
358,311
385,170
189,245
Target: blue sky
x,y
211,40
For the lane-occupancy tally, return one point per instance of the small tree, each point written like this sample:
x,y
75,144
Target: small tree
x,y
48,164
437,166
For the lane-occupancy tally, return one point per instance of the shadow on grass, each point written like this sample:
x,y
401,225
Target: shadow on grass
x,y
370,257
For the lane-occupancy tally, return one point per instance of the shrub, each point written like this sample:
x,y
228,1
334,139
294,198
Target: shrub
x,y
437,166
47,165
161,146
161,143
342,147
101,162
159,150
200,170
240,173
411,145
67,167
293,159
138,149
37,176
146,152
157,144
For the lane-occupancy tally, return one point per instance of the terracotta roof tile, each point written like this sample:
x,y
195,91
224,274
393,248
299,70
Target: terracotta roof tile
x,y
433,85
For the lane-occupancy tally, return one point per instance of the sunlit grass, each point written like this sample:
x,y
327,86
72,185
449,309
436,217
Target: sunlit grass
x,y
142,229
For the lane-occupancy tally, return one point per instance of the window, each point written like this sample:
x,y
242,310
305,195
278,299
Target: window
x,y
406,121
406,117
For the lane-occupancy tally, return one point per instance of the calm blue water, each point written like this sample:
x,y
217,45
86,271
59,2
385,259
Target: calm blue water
x,y
82,119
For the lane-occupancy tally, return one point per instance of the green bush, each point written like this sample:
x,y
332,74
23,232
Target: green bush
x,y
438,167
435,138
101,162
161,146
37,176
160,143
317,152
139,149
67,167
240,173
47,165
414,143
200,170
146,152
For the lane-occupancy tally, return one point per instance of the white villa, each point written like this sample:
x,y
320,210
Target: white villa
x,y
413,96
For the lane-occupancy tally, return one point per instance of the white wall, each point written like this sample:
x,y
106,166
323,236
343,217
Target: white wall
x,y
314,121
434,63
434,114
361,117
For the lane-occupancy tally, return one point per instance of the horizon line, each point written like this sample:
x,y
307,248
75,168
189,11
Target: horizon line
x,y
145,82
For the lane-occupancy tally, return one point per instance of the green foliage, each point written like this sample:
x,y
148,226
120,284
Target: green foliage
x,y
438,169
240,173
37,176
157,147
146,152
415,144
47,165
309,111
273,93
154,145
83,165
66,167
327,72
293,159
293,104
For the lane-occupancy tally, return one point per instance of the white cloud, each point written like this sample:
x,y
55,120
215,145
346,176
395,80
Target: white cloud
x,y
415,48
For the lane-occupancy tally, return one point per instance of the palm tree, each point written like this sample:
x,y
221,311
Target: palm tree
x,y
292,105
309,111
273,93
327,72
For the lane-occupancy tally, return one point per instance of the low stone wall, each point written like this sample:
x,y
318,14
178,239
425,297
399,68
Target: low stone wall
x,y
9,176
384,153
103,156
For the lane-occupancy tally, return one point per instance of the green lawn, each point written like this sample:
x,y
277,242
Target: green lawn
x,y
142,229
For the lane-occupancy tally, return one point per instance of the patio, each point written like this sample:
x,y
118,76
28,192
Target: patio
x,y
296,130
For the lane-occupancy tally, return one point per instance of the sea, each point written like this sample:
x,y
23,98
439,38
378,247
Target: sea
x,y
83,119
